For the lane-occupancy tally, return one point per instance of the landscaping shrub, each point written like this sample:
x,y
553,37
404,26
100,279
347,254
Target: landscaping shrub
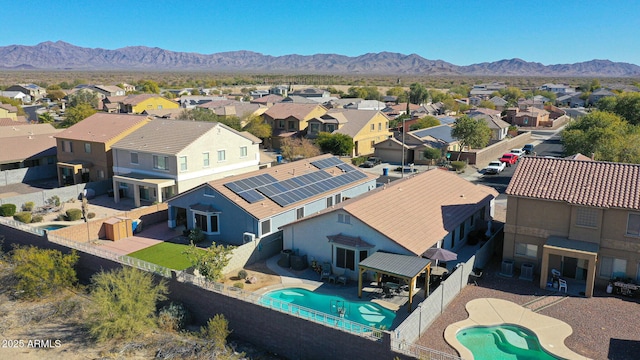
x,y
217,331
7,210
37,218
357,161
28,206
54,200
62,217
74,214
23,216
41,272
458,165
91,215
239,285
242,274
196,235
174,317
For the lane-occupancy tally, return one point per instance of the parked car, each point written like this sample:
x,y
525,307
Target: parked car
x,y
494,167
518,152
528,148
509,159
371,162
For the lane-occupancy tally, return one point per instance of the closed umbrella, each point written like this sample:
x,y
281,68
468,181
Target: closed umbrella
x,y
440,254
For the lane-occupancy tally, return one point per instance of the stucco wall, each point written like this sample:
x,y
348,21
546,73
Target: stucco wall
x,y
17,176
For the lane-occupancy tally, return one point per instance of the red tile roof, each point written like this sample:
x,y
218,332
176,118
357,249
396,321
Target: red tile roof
x,y
586,183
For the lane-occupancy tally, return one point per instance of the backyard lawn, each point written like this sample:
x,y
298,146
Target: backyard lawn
x,y
165,254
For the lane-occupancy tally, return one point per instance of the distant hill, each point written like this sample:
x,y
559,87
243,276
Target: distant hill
x,y
61,55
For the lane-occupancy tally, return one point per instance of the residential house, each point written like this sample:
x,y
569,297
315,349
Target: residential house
x,y
558,89
533,117
287,119
164,113
393,111
258,93
415,142
435,208
282,90
108,90
311,92
34,91
366,105
8,111
168,157
599,94
84,149
499,128
28,146
499,102
268,100
254,205
571,100
191,101
525,104
581,218
485,91
365,127
136,104
242,110
296,99
16,95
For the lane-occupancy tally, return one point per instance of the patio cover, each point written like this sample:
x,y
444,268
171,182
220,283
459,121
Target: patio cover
x,y
406,267
578,249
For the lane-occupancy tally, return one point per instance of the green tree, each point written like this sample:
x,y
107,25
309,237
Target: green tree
x,y
418,94
487,104
438,96
298,148
257,127
425,122
626,105
336,144
461,90
124,303
149,87
56,95
432,154
399,92
76,114
81,97
511,95
41,272
209,262
474,133
216,331
365,92
605,135
45,118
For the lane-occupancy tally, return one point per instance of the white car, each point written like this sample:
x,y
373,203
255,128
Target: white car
x,y
494,167
518,152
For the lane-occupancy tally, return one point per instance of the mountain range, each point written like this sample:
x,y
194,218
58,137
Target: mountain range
x,y
64,56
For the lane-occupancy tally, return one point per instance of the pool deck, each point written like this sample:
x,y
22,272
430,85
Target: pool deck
x,y
551,332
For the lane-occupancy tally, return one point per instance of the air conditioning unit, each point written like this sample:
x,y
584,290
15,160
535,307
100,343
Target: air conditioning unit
x,y
506,269
526,272
248,237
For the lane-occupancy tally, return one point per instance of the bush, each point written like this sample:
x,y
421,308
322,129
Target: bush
x,y
40,272
239,285
91,215
23,216
357,161
173,317
7,210
242,274
28,206
217,330
37,219
61,217
458,165
74,214
54,200
196,235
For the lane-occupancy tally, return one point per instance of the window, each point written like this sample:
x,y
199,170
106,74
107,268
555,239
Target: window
x,y
344,218
183,163
373,143
134,158
208,223
453,238
587,217
613,268
363,255
214,223
87,148
314,128
243,151
525,120
202,222
527,250
67,146
100,174
373,127
379,126
160,162
345,258
205,159
338,199
159,107
331,128
209,192
222,155
265,227
633,225
300,213
329,202
292,125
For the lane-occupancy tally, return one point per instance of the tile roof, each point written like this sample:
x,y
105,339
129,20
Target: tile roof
x,y
585,183
25,129
102,127
418,211
267,207
356,119
137,99
271,98
23,145
10,122
9,107
284,110
493,121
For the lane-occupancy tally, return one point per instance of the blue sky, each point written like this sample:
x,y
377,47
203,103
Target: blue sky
x,y
459,32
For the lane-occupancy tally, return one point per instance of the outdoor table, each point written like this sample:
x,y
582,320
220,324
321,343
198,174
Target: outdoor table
x,y
626,288
439,270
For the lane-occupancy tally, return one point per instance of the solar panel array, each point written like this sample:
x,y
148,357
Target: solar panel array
x,y
290,191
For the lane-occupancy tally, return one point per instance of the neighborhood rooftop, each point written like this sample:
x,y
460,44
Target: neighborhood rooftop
x,y
101,127
587,183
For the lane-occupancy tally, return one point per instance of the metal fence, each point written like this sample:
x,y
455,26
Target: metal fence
x,y
22,226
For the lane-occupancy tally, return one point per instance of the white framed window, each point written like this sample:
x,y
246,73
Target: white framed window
x,y
205,159
633,224
345,258
207,222
222,155
265,227
160,162
67,146
338,199
587,217
329,201
344,218
243,151
527,250
373,127
379,126
299,213
183,163
134,158
87,148
612,268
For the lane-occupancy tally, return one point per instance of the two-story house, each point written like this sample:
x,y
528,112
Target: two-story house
x,y
8,111
499,128
581,218
34,91
84,149
168,157
136,104
286,119
27,146
249,206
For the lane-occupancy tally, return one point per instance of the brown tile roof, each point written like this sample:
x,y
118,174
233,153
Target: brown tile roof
x,y
137,99
268,208
102,127
11,122
418,211
9,107
586,183
271,98
285,110
23,146
356,120
25,129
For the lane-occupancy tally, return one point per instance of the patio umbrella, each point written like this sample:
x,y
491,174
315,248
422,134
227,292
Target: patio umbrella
x,y
440,254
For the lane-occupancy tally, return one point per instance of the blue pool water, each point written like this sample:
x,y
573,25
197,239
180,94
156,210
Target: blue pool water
x,y
362,312
503,342
52,227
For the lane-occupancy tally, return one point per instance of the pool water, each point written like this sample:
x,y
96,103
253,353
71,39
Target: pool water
x,y
361,312
503,342
52,227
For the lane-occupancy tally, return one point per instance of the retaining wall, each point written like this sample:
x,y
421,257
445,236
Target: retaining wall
x,y
17,176
40,198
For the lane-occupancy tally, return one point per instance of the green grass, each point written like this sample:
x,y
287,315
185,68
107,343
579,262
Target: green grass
x,y
165,254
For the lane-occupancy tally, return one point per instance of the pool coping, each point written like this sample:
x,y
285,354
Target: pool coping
x,y
551,332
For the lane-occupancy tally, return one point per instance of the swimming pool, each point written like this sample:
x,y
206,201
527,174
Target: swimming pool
x,y
51,227
502,342
330,309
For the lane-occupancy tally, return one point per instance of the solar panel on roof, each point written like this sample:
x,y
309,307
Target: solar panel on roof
x,y
346,167
251,196
325,163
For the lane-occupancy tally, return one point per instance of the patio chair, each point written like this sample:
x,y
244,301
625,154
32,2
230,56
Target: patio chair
x,y
563,285
342,279
387,291
326,271
475,275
